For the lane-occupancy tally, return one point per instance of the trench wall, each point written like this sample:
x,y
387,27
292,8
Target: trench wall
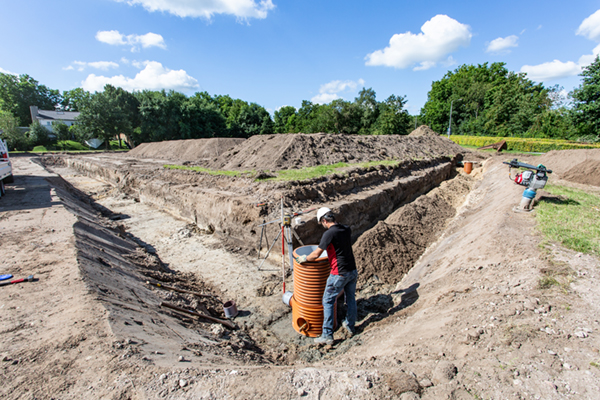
x,y
361,198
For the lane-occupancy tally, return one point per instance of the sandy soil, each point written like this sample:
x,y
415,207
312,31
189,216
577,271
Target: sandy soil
x,y
276,152
194,150
469,320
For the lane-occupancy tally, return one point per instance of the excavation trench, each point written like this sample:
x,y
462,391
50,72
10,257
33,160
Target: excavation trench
x,y
394,212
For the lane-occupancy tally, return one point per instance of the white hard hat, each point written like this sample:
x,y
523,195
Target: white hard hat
x,y
322,211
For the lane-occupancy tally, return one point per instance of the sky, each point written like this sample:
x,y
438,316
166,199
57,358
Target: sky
x,y
278,53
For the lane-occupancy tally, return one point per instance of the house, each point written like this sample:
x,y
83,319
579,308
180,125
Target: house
x,y
46,118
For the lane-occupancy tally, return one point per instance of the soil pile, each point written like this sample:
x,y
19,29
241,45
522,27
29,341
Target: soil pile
x,y
580,166
391,248
424,130
277,152
185,150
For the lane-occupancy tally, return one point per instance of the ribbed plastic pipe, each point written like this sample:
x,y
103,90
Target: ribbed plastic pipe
x,y
310,280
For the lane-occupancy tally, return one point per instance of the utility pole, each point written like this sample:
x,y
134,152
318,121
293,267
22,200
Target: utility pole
x,y
450,123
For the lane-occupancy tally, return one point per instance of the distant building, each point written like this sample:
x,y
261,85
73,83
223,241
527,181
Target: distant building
x,y
46,118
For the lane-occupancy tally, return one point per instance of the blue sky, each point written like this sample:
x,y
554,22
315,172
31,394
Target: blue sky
x,y
278,53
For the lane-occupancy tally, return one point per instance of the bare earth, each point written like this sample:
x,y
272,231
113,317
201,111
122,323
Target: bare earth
x,y
450,305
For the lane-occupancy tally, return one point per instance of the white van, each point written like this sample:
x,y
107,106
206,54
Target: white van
x,y
6,174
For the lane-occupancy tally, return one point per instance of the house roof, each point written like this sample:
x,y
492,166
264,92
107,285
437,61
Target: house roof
x,y
57,115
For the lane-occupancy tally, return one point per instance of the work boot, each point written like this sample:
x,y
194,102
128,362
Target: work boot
x,y
324,340
350,331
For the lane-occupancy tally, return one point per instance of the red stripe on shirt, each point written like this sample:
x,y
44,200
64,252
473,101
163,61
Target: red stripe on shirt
x,y
332,255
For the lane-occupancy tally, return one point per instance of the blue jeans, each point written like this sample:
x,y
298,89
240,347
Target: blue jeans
x,y
335,285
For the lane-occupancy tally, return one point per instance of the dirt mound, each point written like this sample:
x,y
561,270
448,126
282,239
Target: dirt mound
x,y
424,130
581,166
185,150
277,152
587,173
390,249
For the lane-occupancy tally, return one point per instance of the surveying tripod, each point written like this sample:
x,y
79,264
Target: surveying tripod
x,y
286,232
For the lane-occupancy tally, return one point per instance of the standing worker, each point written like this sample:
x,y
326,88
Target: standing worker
x,y
338,243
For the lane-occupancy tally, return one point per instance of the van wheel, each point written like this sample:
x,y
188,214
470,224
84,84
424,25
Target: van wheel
x,y
9,179
2,190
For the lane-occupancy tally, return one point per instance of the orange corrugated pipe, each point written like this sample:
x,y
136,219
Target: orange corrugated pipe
x,y
310,279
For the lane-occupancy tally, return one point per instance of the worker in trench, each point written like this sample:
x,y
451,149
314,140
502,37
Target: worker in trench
x,y
338,243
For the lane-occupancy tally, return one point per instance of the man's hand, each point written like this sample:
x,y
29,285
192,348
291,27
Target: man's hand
x,y
301,259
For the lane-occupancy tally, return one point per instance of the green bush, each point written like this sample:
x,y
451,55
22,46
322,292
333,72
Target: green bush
x,y
522,144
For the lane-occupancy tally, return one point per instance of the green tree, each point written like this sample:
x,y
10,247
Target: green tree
x,y
369,107
393,119
348,117
486,100
105,115
16,139
74,99
61,130
39,135
586,111
285,119
18,93
201,118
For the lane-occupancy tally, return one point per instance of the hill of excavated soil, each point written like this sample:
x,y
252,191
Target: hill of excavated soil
x,y
276,152
424,130
185,150
580,166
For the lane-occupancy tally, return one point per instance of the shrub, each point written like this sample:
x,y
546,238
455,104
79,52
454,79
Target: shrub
x,y
522,144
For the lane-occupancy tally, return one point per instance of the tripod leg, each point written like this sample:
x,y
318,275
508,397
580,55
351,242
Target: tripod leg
x,y
297,237
270,248
288,233
260,241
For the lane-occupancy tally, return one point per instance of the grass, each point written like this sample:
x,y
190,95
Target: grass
x,y
73,146
547,282
307,172
323,170
207,171
595,364
503,151
290,174
573,219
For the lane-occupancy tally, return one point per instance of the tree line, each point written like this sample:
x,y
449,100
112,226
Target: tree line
x,y
486,99
489,100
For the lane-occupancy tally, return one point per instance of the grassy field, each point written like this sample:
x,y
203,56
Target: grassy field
x,y
207,171
290,174
72,147
519,144
572,219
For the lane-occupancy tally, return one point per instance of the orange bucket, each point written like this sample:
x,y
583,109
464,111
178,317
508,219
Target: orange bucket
x,y
468,167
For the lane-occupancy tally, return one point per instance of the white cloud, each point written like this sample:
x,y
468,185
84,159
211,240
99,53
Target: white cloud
x,y
111,37
324,98
103,65
439,36
587,59
557,69
82,65
2,70
115,38
243,9
551,70
340,86
502,45
330,91
590,27
153,77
